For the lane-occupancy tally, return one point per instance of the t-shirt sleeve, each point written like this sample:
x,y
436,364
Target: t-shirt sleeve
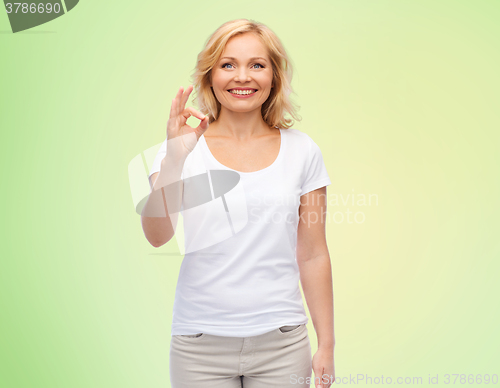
x,y
162,151
316,174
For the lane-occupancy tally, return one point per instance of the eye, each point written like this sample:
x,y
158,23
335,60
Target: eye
x,y
227,63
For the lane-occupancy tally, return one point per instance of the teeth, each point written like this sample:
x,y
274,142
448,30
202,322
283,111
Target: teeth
x,y
242,91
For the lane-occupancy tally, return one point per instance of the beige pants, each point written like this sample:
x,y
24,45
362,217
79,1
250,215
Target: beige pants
x,y
280,358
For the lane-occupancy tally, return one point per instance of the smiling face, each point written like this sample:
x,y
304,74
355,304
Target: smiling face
x,y
244,68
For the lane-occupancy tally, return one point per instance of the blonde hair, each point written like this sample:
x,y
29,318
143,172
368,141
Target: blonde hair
x,y
278,103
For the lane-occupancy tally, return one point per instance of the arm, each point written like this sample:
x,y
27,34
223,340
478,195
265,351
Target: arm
x,y
159,220
315,269
158,225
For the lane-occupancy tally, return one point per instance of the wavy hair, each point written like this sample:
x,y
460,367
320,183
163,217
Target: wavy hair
x,y
278,104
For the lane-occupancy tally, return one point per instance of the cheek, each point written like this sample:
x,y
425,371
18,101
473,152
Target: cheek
x,y
217,78
266,79
220,94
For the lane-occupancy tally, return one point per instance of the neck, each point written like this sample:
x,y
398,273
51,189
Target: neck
x,y
239,125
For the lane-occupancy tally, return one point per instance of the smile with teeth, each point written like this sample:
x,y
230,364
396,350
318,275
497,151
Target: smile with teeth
x,y
248,91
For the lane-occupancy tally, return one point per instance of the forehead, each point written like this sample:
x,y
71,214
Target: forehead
x,y
245,46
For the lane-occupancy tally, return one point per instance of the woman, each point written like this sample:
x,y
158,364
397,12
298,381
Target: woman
x,y
238,317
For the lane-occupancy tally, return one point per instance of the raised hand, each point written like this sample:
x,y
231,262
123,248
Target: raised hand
x,y
186,136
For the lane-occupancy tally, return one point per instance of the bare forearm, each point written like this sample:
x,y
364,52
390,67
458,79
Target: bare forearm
x,y
160,213
316,280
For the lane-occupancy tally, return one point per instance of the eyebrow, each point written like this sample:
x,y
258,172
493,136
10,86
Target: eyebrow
x,y
234,59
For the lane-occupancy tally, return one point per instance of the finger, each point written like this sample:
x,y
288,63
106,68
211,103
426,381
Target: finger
x,y
177,101
203,125
195,113
318,381
189,111
185,97
172,108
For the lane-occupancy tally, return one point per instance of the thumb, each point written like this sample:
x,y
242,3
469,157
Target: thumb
x,y
204,124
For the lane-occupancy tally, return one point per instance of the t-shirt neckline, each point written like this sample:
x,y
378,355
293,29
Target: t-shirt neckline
x,y
271,166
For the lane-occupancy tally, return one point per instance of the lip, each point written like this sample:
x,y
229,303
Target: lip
x,y
242,95
241,89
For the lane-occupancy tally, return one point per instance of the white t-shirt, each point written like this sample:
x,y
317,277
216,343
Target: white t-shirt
x,y
239,276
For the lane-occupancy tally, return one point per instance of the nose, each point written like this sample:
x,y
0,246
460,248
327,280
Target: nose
x,y
242,75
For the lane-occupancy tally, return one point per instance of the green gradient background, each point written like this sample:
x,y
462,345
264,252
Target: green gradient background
x,y
401,96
